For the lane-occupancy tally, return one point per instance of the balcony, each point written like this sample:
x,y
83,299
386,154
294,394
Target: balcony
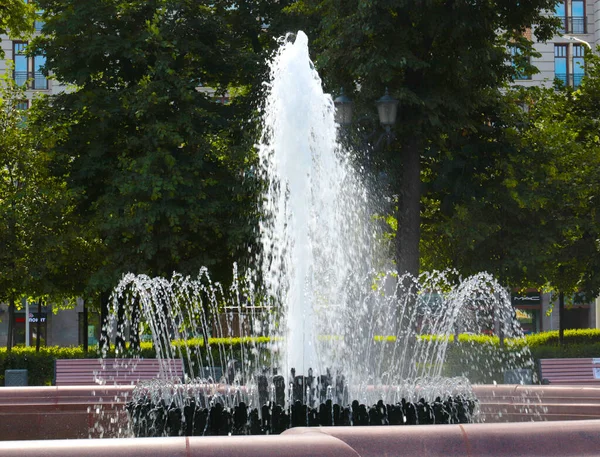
x,y
573,24
34,80
576,25
569,79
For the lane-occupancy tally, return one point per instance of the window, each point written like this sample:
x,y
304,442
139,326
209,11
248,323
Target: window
x,y
39,80
578,64
20,327
20,60
518,63
23,106
572,14
28,70
560,63
577,21
561,12
38,22
569,64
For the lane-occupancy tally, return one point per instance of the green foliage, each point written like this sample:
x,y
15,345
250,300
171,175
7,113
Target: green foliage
x,y
16,20
229,342
158,168
572,337
47,253
517,196
533,340
482,360
444,61
39,365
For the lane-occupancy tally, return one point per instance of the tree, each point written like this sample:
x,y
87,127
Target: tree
x,y
43,253
519,198
442,59
573,115
143,148
159,169
15,168
16,19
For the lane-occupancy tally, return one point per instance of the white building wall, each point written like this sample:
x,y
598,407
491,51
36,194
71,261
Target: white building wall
x,y
545,63
6,44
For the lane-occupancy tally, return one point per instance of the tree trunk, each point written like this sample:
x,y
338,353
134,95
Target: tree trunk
x,y
408,232
11,325
134,330
561,318
85,327
38,326
120,336
104,343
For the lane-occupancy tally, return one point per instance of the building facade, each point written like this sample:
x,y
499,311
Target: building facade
x,y
26,70
538,312
62,327
563,57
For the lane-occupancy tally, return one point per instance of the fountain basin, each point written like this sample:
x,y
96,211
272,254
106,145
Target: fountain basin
x,y
44,413
560,439
47,413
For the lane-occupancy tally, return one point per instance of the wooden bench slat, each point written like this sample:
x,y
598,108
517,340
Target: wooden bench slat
x,y
114,371
569,371
569,360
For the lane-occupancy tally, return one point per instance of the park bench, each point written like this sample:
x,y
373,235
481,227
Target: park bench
x,y
78,372
584,371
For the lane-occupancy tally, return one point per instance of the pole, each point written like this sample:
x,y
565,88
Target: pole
x,y
11,324
85,327
561,317
27,337
38,324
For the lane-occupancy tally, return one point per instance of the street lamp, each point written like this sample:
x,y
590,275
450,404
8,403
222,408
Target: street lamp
x,y
574,38
343,109
387,108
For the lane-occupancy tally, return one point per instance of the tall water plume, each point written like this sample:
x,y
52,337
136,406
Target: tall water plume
x,y
316,235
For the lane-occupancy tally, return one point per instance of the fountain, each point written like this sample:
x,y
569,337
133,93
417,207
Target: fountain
x,y
326,329
341,327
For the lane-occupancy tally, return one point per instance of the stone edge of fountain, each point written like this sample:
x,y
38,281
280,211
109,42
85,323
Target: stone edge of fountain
x,y
561,438
46,413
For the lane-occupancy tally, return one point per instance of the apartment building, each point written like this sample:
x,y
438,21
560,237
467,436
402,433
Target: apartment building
x,y
27,70
563,57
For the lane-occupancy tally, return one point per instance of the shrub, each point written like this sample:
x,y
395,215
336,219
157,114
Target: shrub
x,y
40,365
479,357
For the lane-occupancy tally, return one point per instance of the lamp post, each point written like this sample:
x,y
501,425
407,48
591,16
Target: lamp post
x,y
574,38
387,108
589,49
343,109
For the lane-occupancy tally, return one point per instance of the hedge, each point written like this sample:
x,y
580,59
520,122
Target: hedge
x,y
479,357
40,365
